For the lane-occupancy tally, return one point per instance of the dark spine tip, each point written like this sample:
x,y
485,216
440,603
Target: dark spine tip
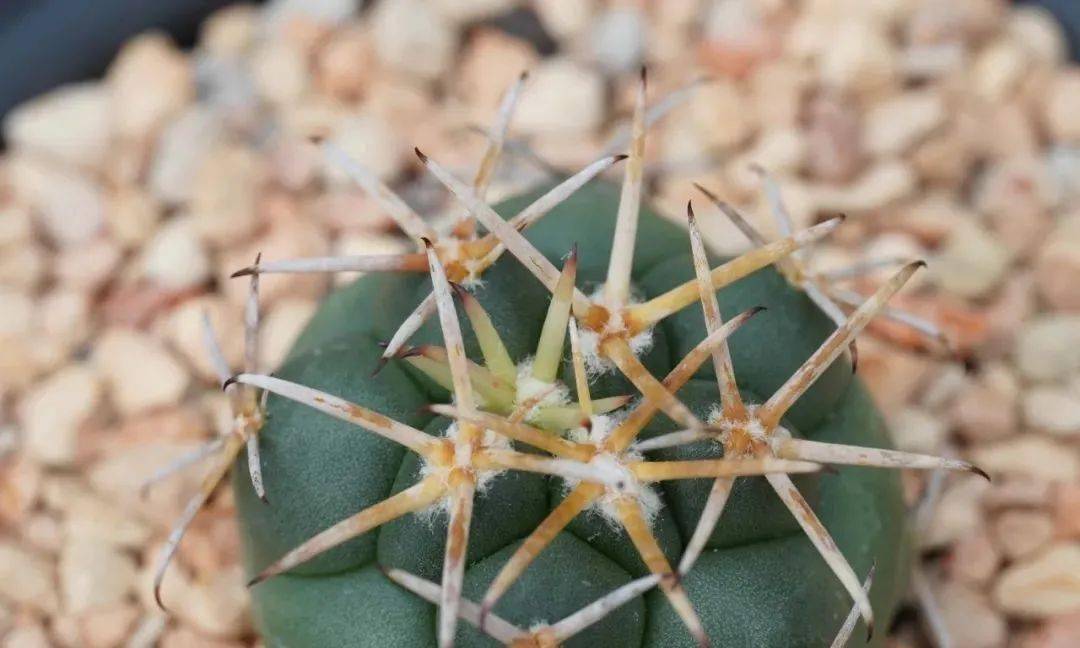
x,y
264,498
427,242
829,469
854,348
230,381
157,598
920,263
420,154
644,75
379,364
523,76
255,581
690,210
980,472
459,290
258,257
317,138
620,157
243,272
755,310
869,631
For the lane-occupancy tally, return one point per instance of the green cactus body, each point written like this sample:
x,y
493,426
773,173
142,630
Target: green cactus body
x,y
760,582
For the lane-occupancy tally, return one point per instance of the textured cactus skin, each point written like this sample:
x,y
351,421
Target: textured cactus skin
x,y
761,583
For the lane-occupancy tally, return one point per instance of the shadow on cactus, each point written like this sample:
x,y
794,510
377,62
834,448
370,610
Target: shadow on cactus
x,y
657,481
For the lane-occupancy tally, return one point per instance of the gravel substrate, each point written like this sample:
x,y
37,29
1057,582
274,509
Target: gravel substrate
x,y
945,131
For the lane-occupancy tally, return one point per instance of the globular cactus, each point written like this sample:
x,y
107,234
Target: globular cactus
x,y
658,481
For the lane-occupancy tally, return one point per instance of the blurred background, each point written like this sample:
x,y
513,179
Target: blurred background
x,y
151,148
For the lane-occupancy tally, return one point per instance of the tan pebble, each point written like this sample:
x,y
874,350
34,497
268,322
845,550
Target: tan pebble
x,y
279,71
1058,263
16,226
369,140
1047,585
616,39
69,205
223,199
43,532
1058,632
108,627
344,65
970,617
974,559
834,138
858,57
27,579
779,151
187,333
122,473
93,574
1036,456
1067,510
412,37
281,326
1038,32
893,377
916,430
141,374
53,411
185,637
718,114
86,267
28,635
175,258
180,152
71,124
1021,533
20,485
880,185
19,312
228,31
1061,107
150,81
945,157
893,126
1053,409
218,605
1016,194
65,632
958,513
561,98
23,266
982,412
65,315
777,89
1018,490
472,10
132,216
1048,347
91,517
491,61
564,18
998,69
972,263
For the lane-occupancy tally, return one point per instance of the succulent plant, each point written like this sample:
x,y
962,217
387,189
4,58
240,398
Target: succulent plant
x,y
621,491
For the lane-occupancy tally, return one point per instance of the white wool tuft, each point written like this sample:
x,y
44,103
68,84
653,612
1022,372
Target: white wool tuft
x,y
597,365
484,478
528,387
613,470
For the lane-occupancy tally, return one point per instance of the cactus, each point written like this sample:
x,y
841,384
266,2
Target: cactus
x,y
619,490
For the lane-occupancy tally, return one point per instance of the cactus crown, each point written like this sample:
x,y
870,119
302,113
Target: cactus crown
x,y
511,416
